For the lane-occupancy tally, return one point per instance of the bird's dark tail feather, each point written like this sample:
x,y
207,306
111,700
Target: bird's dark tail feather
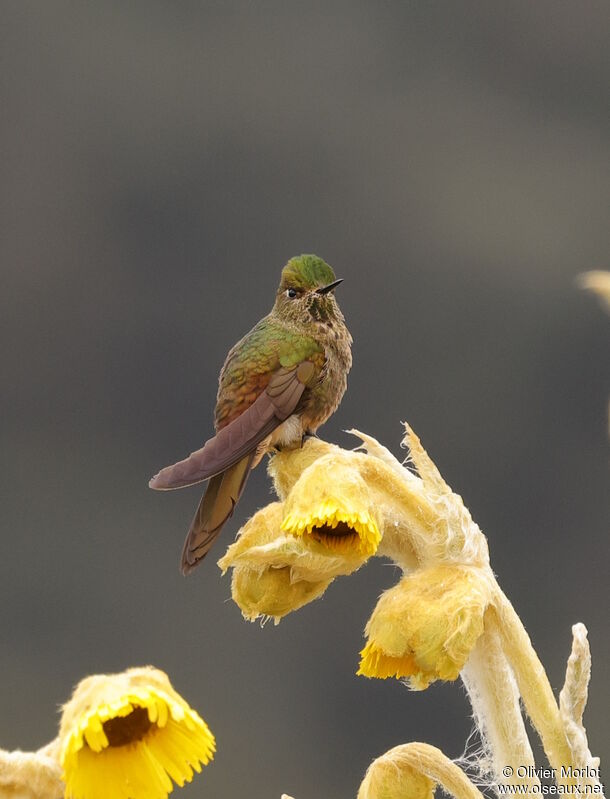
x,y
216,506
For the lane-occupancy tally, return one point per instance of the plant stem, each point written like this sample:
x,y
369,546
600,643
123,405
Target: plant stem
x,y
494,696
534,686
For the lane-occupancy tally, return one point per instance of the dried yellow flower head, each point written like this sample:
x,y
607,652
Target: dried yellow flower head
x,y
331,504
276,572
127,736
413,519
272,592
425,627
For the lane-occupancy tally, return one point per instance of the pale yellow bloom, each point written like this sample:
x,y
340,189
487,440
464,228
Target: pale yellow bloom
x,y
289,552
262,544
331,504
447,616
414,519
127,736
275,573
339,508
425,627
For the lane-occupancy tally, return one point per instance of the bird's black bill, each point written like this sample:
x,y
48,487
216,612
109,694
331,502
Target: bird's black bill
x,y
330,287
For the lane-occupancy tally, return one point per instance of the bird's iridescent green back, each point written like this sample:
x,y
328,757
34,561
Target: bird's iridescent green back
x,y
252,361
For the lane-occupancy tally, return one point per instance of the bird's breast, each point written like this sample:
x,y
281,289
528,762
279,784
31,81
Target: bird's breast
x,y
324,398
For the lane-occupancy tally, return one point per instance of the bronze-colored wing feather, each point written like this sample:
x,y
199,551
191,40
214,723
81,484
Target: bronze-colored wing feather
x,y
241,436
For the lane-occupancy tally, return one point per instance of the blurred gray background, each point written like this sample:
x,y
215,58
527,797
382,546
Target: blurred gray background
x,y
160,163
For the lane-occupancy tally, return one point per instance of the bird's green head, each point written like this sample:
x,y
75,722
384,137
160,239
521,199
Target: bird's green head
x,y
305,273
306,291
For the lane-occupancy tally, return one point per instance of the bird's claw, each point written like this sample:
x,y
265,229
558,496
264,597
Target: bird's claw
x,y
307,434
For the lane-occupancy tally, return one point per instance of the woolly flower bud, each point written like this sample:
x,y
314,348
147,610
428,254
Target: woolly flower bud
x,y
389,779
412,771
127,736
425,627
272,592
275,573
331,504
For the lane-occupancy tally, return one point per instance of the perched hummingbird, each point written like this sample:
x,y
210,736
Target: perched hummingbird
x,y
279,383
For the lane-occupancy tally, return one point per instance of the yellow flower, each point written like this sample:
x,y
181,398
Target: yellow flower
x,y
425,627
274,574
331,504
262,544
272,592
384,508
127,736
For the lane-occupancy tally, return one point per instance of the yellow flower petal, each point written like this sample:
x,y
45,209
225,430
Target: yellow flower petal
x,y
127,736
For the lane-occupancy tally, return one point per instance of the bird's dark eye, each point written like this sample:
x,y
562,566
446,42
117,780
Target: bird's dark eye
x,y
292,293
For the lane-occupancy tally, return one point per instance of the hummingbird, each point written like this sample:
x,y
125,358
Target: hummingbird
x,y
278,384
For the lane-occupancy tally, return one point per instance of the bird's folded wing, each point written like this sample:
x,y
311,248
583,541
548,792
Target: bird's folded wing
x,y
275,404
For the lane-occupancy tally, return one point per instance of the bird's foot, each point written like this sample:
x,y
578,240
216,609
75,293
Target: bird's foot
x,y
307,434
